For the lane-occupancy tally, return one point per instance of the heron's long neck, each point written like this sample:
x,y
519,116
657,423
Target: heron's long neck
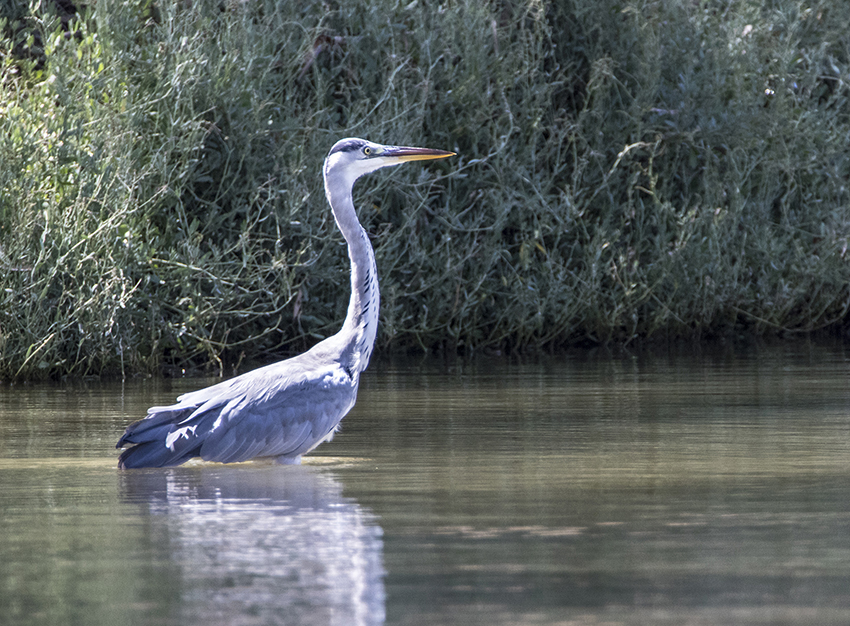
x,y
361,323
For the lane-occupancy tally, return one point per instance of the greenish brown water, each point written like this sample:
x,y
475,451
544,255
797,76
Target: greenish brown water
x,y
699,489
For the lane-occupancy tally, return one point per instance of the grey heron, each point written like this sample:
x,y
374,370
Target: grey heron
x,y
285,409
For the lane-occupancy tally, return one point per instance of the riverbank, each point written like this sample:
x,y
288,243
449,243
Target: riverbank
x,y
626,173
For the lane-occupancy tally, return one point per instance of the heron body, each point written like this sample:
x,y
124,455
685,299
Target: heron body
x,y
285,409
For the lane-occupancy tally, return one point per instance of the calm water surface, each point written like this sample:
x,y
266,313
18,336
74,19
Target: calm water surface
x,y
708,489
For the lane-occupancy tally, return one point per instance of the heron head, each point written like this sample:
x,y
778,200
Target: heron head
x,y
352,158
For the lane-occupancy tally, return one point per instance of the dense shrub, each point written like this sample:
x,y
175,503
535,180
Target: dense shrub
x,y
626,170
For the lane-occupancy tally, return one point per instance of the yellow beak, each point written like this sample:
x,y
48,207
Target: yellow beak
x,y
404,154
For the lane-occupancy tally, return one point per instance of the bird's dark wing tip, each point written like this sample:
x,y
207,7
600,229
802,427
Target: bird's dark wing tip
x,y
155,454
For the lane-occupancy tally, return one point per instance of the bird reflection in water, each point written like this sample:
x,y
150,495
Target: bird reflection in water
x,y
254,545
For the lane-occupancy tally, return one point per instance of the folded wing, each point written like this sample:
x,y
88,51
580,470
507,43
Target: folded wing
x,y
278,411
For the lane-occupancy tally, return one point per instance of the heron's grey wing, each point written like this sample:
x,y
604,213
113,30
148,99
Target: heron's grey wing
x,y
156,425
286,408
171,435
282,416
168,436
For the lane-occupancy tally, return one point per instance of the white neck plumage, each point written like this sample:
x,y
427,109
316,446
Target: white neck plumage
x,y
361,322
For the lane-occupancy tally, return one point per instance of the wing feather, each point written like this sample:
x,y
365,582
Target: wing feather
x,y
282,410
286,424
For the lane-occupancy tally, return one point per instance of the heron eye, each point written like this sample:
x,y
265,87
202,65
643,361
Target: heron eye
x,y
367,151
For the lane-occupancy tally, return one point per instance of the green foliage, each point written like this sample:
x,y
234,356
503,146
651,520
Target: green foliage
x,y
625,170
